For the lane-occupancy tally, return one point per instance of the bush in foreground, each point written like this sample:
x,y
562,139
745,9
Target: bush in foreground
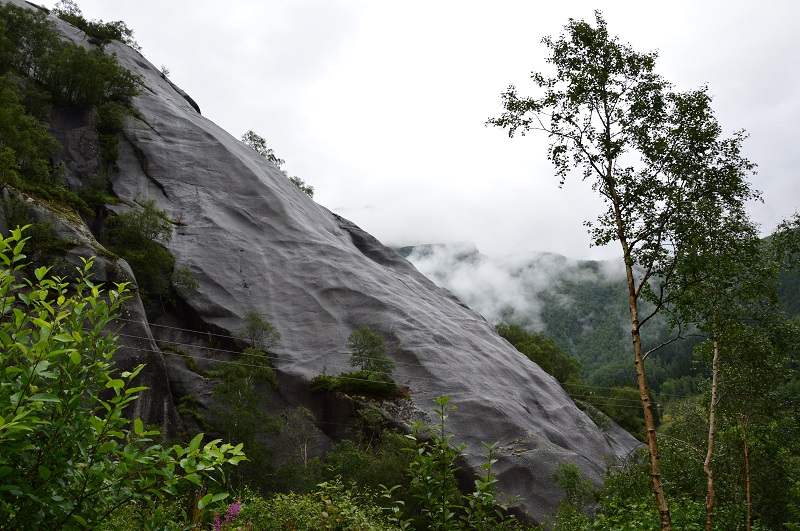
x,y
68,456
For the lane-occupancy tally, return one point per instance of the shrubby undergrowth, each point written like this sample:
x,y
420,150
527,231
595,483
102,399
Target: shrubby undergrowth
x,y
69,457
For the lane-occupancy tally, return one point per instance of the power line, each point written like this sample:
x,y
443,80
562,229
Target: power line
x,y
628,403
274,357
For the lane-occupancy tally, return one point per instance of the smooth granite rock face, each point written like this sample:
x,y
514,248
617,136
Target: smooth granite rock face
x,y
254,241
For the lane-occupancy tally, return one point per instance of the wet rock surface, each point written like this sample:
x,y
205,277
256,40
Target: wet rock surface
x,y
254,241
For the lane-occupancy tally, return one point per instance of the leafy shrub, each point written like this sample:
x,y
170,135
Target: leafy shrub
x,y
135,237
26,143
543,351
111,117
72,74
434,485
330,506
259,145
355,383
68,456
94,191
76,76
26,36
383,462
366,383
241,413
303,186
100,33
368,352
109,148
258,333
184,281
323,383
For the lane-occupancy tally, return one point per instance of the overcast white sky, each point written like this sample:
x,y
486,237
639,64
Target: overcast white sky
x,y
381,105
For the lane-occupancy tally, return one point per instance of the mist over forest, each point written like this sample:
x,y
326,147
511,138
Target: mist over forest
x,y
509,287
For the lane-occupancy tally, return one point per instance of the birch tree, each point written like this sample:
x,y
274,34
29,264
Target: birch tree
x,y
724,275
651,154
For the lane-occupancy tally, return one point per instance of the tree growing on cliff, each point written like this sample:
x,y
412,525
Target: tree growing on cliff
x,y
650,153
368,352
258,144
137,236
258,332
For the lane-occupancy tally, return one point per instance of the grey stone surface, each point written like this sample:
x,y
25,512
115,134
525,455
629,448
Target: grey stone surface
x,y
137,343
254,241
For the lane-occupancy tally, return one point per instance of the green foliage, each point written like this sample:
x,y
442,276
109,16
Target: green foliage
x,y
95,191
368,352
330,506
68,456
578,492
303,186
542,351
382,459
100,33
356,383
258,333
622,405
242,416
110,119
38,67
27,37
626,501
184,281
76,76
434,484
25,144
258,144
373,378
136,227
134,236
43,246
252,139
657,159
72,74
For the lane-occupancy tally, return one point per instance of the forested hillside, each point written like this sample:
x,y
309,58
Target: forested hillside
x,y
572,319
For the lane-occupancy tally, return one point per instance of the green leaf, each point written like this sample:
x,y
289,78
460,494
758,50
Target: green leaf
x,y
205,501
115,383
219,496
63,338
195,444
41,272
44,472
44,397
138,427
4,471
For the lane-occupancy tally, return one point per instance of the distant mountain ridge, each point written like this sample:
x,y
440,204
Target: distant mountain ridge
x,y
581,304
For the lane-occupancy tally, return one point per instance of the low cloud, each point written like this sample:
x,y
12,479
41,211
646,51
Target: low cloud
x,y
505,288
